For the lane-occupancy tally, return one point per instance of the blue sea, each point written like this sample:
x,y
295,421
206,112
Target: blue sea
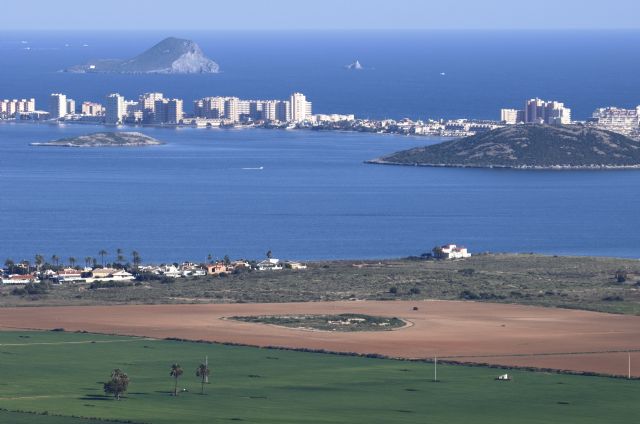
x,y
314,197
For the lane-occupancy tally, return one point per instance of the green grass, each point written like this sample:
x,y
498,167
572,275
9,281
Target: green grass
x,y
47,372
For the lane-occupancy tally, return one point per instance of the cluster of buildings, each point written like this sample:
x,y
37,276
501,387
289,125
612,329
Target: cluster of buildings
x,y
155,109
623,121
438,128
538,111
232,110
186,269
296,112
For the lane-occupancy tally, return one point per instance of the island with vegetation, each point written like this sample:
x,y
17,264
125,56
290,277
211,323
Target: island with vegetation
x,y
341,322
170,56
104,139
527,147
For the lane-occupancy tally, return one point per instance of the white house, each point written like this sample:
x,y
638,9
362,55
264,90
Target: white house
x,y
19,279
451,251
107,274
169,271
270,264
69,275
295,265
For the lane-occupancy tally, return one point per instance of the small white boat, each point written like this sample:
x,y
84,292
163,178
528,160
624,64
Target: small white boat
x,y
260,168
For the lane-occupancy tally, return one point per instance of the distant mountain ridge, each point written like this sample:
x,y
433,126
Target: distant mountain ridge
x,y
170,56
527,147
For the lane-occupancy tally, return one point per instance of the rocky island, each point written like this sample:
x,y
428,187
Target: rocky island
x,y
105,139
527,147
170,56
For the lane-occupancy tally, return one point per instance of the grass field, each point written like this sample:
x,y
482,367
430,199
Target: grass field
x,y
568,282
61,373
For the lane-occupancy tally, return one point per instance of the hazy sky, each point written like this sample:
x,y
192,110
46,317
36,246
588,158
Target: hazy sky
x,y
317,14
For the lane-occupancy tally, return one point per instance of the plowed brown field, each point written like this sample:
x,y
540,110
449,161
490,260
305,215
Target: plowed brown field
x,y
463,331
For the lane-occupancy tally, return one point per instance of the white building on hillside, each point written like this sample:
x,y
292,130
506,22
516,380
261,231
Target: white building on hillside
x,y
451,251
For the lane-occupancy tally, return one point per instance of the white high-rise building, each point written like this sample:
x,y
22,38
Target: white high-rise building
x,y
71,107
174,111
270,110
57,106
511,116
92,109
147,103
232,109
115,109
300,108
539,111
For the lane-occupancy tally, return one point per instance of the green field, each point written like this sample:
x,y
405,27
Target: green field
x,y
61,373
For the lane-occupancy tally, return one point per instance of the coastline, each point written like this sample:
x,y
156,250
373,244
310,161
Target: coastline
x,y
519,167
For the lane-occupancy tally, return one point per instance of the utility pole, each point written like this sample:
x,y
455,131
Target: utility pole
x,y
206,363
435,368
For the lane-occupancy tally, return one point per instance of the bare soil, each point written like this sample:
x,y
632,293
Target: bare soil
x,y
471,332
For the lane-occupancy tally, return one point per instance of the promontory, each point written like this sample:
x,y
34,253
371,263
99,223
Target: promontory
x,y
527,147
105,139
170,56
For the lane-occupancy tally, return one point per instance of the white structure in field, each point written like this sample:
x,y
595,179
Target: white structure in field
x,y
451,251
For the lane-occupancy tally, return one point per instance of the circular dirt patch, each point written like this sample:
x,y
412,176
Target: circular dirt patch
x,y
341,322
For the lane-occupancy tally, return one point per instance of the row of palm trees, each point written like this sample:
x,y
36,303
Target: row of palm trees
x,y
119,382
40,262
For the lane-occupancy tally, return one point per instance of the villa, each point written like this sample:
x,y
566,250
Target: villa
x,y
19,279
451,251
69,275
270,264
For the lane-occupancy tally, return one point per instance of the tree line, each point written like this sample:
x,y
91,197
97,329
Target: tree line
x,y
118,384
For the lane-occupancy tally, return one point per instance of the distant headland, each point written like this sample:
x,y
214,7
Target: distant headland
x,y
527,147
170,56
105,139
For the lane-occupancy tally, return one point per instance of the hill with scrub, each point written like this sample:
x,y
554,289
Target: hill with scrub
x,y
527,147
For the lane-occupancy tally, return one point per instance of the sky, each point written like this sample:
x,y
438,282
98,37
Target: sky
x,y
318,14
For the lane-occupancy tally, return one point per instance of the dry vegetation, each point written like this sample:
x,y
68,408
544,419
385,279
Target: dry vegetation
x,y
569,282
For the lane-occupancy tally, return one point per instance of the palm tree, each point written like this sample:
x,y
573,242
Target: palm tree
x,y
102,254
10,265
269,254
72,261
210,258
55,259
203,372
137,260
119,255
176,372
39,261
87,261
